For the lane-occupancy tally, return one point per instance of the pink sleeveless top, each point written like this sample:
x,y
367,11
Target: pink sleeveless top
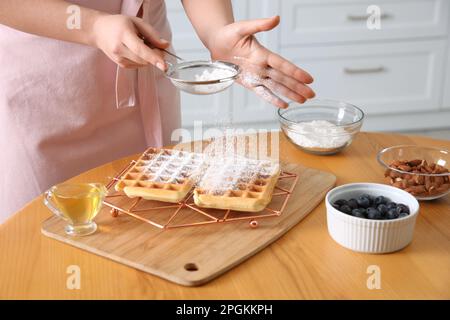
x,y
58,114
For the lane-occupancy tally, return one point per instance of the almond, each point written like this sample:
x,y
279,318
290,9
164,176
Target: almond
x,y
439,181
404,167
405,184
414,163
419,179
441,169
394,174
416,190
433,190
410,183
427,183
398,184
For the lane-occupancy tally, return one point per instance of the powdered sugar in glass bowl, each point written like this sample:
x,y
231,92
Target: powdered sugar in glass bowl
x,y
321,127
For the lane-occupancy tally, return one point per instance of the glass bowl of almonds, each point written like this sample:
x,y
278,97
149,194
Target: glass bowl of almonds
x,y
421,171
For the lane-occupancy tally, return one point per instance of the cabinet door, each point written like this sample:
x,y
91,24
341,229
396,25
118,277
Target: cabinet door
x,y
381,78
183,34
446,101
320,21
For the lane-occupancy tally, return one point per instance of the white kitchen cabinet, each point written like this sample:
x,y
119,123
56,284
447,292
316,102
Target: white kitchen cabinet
x,y
380,78
446,98
399,75
330,21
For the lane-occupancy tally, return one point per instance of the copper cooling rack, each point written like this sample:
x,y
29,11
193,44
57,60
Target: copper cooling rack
x,y
165,215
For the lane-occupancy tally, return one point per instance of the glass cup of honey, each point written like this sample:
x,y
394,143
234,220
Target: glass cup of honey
x,y
78,204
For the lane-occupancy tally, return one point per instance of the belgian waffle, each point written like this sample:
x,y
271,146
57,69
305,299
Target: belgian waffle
x,y
162,175
238,184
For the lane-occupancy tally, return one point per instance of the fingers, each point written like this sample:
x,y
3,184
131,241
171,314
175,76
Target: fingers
x,y
281,90
130,55
144,52
150,34
291,83
267,95
249,27
128,64
264,93
277,62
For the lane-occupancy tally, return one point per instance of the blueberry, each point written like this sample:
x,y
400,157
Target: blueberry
x,y
382,208
336,206
403,208
402,215
340,202
363,202
392,214
391,205
380,200
359,213
368,196
373,213
346,209
352,203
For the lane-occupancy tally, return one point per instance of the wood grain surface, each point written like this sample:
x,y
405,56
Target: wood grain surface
x,y
305,263
195,255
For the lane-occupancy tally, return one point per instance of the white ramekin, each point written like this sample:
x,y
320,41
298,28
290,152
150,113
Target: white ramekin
x,y
366,235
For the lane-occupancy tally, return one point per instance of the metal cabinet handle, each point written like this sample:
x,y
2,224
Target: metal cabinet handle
x,y
352,17
363,70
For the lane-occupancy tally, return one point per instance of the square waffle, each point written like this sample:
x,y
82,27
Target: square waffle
x,y
238,184
162,175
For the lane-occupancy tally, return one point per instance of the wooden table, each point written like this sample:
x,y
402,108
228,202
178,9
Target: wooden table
x,y
304,264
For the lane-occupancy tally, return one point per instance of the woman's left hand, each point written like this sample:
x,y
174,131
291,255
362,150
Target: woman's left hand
x,y
266,73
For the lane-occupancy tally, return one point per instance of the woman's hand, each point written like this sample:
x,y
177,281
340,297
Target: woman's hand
x,y
266,73
120,38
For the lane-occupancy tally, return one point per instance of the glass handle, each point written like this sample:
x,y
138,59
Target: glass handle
x,y
48,195
101,188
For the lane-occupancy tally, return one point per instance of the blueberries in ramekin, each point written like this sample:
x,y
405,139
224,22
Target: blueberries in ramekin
x,y
369,207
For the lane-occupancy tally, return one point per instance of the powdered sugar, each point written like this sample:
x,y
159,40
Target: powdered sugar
x,y
215,74
172,166
318,134
215,175
235,174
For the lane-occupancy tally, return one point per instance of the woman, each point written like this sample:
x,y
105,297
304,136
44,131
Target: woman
x,y
65,66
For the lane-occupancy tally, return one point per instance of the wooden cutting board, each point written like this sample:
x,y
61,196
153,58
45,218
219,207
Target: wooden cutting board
x,y
192,256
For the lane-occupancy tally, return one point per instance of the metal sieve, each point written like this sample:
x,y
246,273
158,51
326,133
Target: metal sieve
x,y
183,76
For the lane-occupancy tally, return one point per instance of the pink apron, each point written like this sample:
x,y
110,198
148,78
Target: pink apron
x,y
58,114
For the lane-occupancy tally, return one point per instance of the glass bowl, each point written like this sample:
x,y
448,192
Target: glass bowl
x,y
321,127
421,171
188,76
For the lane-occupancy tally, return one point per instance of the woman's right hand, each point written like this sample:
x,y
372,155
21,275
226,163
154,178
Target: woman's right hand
x,y
120,38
